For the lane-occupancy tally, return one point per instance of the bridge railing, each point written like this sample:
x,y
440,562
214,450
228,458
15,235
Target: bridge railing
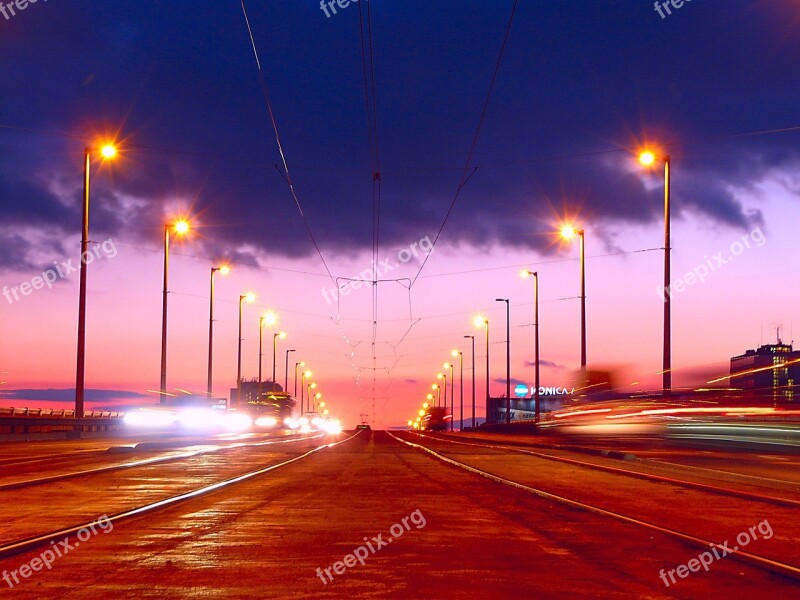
x,y
47,420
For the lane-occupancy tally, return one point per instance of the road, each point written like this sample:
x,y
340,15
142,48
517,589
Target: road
x,y
454,533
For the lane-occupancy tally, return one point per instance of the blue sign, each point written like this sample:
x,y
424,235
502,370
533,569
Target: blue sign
x,y
521,390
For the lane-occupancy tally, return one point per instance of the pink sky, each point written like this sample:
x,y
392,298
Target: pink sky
x,y
713,321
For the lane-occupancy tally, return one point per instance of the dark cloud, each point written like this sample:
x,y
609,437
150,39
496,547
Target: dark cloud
x,y
181,87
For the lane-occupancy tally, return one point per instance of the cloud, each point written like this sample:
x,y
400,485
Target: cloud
x,y
68,395
545,363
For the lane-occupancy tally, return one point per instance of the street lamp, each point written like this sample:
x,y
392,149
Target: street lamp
x,y
249,298
450,366
568,232
508,357
442,376
535,275
286,375
180,228
275,336
302,389
648,158
108,151
460,355
472,338
436,387
224,269
480,321
309,387
297,364
317,397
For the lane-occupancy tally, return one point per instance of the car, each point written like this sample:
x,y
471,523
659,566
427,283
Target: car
x,y
365,426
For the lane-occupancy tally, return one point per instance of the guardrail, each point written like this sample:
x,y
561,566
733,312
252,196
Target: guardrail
x,y
45,420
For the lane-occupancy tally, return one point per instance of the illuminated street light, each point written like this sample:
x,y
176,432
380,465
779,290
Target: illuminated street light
x,y
649,158
181,228
444,377
297,364
107,151
302,390
275,337
286,372
525,274
568,232
224,269
508,357
460,356
450,366
472,337
249,297
480,322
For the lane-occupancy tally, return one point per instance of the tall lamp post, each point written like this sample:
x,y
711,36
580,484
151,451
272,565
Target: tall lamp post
x,y
297,364
472,337
508,357
460,355
648,159
481,321
436,387
107,152
286,374
302,389
309,387
535,275
249,298
450,366
568,232
180,227
275,336
444,377
224,269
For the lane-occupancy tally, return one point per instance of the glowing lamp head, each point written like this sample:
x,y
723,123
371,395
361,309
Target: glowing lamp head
x,y
411,423
281,335
439,376
568,232
181,227
454,353
446,365
479,321
426,405
421,413
435,386
647,158
249,297
108,151
307,374
430,396
224,269
270,318
313,386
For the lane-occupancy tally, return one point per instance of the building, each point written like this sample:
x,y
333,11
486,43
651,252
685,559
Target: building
x,y
770,374
251,388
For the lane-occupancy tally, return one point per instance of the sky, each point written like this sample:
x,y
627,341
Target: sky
x,y
581,87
